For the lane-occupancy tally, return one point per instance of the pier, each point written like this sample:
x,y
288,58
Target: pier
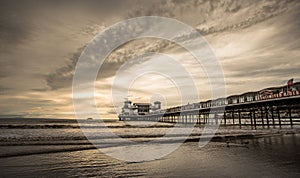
x,y
280,107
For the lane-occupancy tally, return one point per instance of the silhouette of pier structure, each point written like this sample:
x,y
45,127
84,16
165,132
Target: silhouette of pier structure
x,y
276,106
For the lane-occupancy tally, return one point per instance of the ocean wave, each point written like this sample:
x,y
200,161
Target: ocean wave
x,y
31,148
74,126
40,150
140,134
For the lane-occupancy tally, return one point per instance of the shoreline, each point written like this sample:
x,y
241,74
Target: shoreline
x,y
35,148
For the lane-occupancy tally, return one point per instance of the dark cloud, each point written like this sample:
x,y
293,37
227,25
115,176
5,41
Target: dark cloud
x,y
15,22
3,74
62,77
40,89
20,20
3,116
202,13
262,12
4,90
266,72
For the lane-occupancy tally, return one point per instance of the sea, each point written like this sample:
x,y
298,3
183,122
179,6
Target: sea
x,y
33,147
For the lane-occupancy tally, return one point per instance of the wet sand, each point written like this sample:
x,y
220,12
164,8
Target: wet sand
x,y
275,156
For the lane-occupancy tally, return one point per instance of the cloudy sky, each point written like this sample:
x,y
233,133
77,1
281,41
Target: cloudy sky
x,y
256,43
